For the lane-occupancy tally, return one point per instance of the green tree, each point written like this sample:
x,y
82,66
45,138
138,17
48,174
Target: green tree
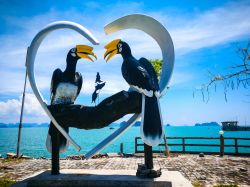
x,y
157,64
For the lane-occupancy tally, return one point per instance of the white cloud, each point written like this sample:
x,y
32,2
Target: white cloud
x,y
213,27
33,112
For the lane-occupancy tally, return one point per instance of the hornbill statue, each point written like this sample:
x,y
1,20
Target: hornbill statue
x,y
141,76
66,86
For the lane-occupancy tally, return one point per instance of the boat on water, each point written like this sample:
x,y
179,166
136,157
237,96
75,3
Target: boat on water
x,y
233,126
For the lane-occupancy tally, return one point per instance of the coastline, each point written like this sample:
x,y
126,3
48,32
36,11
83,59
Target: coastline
x,y
209,170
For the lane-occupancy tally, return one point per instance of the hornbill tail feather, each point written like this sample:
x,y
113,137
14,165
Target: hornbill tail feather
x,y
151,121
63,143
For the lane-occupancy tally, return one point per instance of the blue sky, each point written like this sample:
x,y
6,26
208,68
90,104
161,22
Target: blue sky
x,y
204,37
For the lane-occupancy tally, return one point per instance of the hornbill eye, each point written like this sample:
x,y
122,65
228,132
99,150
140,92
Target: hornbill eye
x,y
73,50
119,47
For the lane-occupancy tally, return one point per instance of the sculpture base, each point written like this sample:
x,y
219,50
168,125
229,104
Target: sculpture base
x,y
121,178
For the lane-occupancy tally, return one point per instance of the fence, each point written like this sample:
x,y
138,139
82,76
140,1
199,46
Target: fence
x,y
223,143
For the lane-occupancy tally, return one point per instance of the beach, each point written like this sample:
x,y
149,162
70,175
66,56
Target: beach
x,y
209,170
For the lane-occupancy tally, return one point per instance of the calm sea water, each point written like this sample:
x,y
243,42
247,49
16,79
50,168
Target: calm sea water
x,y
33,139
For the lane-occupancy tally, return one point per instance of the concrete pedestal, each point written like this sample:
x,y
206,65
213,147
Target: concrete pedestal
x,y
103,178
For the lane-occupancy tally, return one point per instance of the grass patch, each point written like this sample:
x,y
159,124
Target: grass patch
x,y
9,160
197,184
226,185
5,182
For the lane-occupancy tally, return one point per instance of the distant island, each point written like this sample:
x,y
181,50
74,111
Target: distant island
x,y
25,125
207,124
137,124
112,125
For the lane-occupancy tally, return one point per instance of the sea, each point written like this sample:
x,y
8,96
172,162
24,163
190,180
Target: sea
x,y
33,140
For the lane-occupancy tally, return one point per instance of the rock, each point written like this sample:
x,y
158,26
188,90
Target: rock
x,y
111,155
42,157
202,178
142,167
11,155
243,169
100,156
201,155
127,155
144,172
75,157
6,168
26,157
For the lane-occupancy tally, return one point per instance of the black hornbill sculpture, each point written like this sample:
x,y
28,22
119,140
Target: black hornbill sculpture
x,y
66,86
141,76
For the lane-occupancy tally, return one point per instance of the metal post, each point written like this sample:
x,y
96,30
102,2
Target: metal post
x,y
183,145
236,146
221,145
121,148
166,146
21,115
55,169
148,156
136,145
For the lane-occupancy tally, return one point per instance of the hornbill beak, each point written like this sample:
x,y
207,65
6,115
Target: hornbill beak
x,y
82,51
111,49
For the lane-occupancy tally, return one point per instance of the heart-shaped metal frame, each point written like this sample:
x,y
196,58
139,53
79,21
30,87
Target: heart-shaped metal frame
x,y
158,32
135,21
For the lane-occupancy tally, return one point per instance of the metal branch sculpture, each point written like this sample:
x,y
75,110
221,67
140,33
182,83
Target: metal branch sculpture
x,y
109,110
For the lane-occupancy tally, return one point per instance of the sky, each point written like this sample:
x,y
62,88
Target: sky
x,y
204,34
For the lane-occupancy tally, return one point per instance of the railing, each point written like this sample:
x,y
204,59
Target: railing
x,y
184,144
